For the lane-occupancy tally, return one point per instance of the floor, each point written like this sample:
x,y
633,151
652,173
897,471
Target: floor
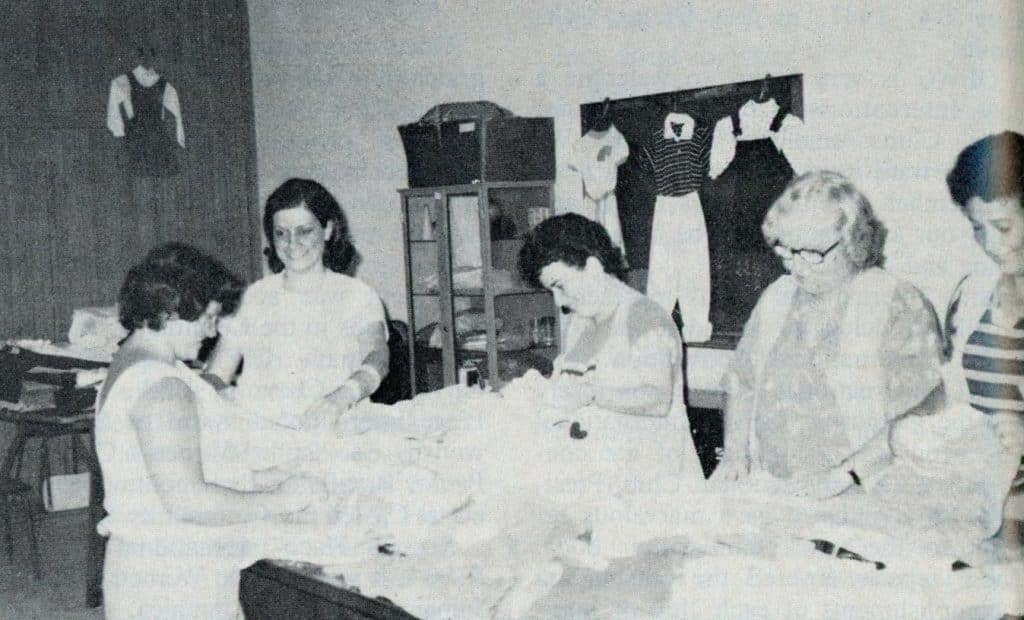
x,y
60,592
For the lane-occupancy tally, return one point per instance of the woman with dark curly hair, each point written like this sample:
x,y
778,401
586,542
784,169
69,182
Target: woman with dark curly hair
x,y
834,352
165,518
621,367
313,340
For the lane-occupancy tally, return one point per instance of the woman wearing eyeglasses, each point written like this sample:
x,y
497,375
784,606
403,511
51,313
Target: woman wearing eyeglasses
x,y
834,351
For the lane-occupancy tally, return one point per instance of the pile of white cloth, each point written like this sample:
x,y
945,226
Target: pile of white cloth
x,y
468,504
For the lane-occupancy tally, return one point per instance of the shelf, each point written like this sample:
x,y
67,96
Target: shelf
x,y
525,291
477,292
482,353
434,217
473,188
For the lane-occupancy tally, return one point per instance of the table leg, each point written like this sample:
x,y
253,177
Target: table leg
x,y
97,543
13,456
5,505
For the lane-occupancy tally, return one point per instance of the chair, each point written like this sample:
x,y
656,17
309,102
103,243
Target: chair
x,y
397,385
15,493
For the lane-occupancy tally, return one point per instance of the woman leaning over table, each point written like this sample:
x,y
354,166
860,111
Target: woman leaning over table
x,y
620,374
171,552
985,319
834,352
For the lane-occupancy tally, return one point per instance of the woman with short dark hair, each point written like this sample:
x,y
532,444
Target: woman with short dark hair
x,y
166,557
985,318
621,366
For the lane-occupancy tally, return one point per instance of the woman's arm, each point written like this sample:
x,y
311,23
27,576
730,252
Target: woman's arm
x,y
167,425
357,386
653,363
738,412
654,369
223,364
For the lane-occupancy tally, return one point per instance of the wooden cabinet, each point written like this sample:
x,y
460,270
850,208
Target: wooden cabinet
x,y
470,313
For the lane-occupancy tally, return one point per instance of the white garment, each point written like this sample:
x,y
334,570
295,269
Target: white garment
x,y
606,213
157,566
121,95
299,347
756,119
679,268
723,147
790,138
597,156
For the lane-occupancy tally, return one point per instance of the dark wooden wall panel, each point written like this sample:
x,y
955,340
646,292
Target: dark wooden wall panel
x,y
74,220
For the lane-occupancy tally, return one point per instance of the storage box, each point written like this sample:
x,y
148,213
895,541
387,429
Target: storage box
x,y
496,149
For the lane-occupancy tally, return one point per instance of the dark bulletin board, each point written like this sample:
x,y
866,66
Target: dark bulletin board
x,y
734,203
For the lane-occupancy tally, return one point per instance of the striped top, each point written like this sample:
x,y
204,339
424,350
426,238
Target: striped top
x,y
993,365
679,166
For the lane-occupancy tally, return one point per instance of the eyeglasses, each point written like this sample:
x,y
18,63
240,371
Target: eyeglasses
x,y
811,257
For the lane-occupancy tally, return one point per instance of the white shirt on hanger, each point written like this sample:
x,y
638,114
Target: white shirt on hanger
x,y
597,156
756,119
723,147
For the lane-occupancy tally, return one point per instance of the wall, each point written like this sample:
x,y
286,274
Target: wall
x,y
73,218
892,92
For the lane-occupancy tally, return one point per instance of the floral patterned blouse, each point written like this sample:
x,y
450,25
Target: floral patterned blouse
x,y
798,426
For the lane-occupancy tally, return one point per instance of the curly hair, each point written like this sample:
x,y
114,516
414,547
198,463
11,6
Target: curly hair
x,y
862,234
339,252
571,239
990,168
175,279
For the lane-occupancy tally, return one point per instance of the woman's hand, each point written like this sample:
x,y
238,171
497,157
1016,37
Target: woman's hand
x,y
731,469
570,392
1009,429
324,413
269,478
300,493
821,485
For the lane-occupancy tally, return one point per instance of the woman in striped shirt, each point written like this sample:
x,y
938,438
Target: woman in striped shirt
x,y
985,319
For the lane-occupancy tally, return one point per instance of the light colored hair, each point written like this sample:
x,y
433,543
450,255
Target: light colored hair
x,y
862,234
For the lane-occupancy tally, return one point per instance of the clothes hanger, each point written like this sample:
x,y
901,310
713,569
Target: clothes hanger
x,y
764,94
146,58
604,119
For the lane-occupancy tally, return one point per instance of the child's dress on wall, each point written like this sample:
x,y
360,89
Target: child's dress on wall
x,y
143,107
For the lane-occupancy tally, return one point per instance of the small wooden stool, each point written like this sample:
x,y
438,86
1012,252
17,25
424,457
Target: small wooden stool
x,y
14,492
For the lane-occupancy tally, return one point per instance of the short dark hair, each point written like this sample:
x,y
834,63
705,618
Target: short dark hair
x,y
571,239
175,278
338,253
990,168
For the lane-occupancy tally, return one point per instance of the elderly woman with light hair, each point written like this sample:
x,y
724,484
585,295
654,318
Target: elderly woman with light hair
x,y
834,352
